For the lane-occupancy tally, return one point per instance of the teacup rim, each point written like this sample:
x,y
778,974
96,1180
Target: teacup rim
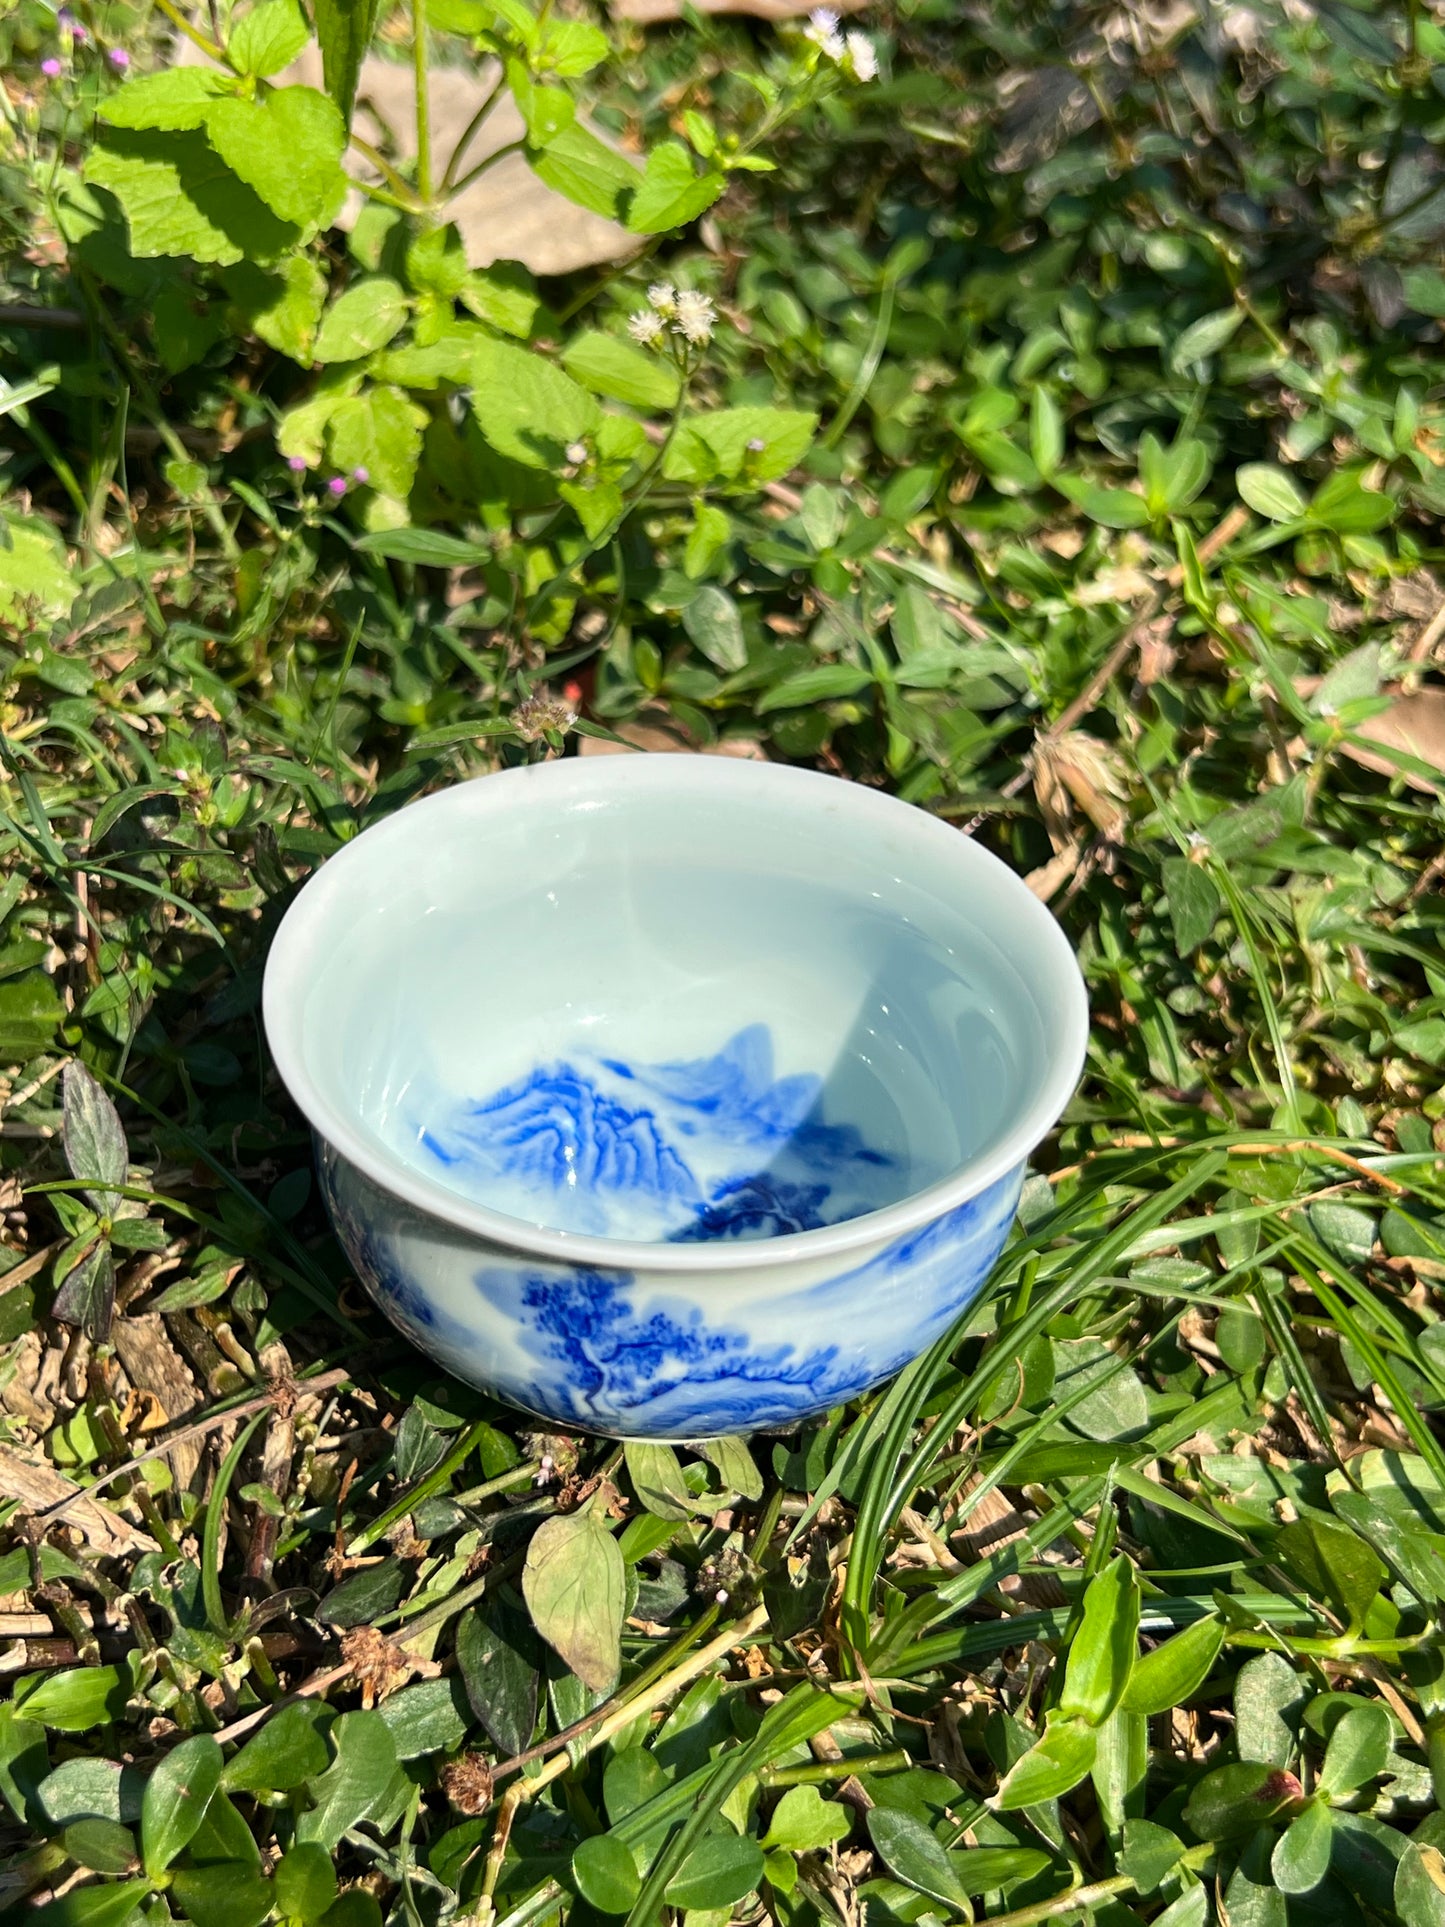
x,y
287,965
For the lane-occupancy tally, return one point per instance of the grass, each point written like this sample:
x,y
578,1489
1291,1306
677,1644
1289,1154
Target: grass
x,y
1124,1601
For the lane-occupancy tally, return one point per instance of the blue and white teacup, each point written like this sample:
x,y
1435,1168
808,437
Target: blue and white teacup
x,y
672,1096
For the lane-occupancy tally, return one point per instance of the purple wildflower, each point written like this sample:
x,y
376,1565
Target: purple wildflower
x,y
361,476
296,463
52,68
336,486
118,57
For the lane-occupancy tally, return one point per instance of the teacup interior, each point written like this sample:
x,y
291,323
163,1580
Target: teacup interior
x,y
660,1018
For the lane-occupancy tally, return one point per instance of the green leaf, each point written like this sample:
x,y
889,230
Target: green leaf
x,y
95,1146
86,1789
912,1855
803,1820
177,97
597,505
1113,1404
571,48
1343,503
735,1466
1101,1656
1150,1855
804,687
622,371
528,409
720,1870
1301,1856
586,171
713,623
1174,1670
379,430
1046,433
221,1896
357,1781
268,38
287,1750
288,148
179,197
86,1298
283,308
1331,1562
672,192
1194,902
24,1766
749,444
105,1846
1270,491
101,1905
428,548
344,29
430,1717
305,1882
75,1701
362,319
33,571
983,1870
1204,337
632,1778
176,1796
1269,1696
656,1475
504,295
1420,1886
1236,1800
1358,1749
355,1908
1111,508
1052,1766
606,1873
574,1584
223,1837
498,1657
1239,1334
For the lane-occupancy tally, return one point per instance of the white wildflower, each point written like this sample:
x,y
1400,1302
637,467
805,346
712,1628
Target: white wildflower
x,y
663,297
645,326
695,316
862,60
822,30
577,453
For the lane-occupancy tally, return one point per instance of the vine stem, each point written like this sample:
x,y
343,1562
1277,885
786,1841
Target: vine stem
x,y
423,102
210,48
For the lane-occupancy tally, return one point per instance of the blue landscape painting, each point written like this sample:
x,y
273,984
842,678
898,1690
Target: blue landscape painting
x,y
708,1147
614,1354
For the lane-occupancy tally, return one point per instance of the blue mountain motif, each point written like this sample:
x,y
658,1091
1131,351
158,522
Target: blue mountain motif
x,y
659,1369
699,1148
556,1128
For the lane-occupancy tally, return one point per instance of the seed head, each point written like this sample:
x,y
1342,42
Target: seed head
x,y
695,317
862,59
822,30
646,327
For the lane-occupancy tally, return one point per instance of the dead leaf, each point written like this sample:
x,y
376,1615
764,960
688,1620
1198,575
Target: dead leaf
x,y
38,1487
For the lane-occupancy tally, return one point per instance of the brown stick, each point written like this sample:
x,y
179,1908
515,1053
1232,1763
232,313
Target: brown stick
x,y
323,1382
